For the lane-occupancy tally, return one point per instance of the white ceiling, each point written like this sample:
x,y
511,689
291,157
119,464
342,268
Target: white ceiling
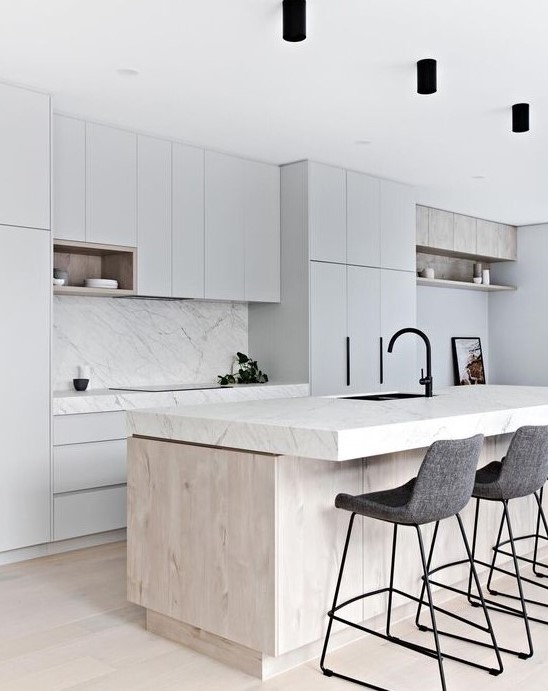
x,y
217,73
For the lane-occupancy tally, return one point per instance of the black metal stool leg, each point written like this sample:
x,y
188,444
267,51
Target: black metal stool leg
x,y
328,672
428,565
391,587
540,517
474,544
495,554
518,579
431,607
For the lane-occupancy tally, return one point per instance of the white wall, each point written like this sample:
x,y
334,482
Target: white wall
x,y
446,312
518,322
132,342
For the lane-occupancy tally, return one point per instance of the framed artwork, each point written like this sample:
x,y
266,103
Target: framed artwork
x,y
467,361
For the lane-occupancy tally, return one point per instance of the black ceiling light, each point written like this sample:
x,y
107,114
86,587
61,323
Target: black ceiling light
x,y
427,82
294,28
520,117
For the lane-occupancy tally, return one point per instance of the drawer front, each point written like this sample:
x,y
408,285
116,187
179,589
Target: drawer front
x,y
83,466
77,429
93,511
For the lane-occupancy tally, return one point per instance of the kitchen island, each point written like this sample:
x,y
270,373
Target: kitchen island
x,y
233,538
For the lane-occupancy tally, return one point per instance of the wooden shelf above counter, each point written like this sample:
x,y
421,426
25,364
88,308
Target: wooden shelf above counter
x,y
90,260
462,285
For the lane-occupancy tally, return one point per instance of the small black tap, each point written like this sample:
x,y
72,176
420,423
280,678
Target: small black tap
x,y
423,381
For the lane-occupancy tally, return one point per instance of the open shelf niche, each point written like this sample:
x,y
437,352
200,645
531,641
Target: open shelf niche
x,y
453,271
88,260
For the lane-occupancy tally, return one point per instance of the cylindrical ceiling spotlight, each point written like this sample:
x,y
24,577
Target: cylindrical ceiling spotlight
x,y
427,81
294,22
520,117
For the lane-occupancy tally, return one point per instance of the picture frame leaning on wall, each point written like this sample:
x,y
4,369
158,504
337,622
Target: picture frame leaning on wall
x,y
468,367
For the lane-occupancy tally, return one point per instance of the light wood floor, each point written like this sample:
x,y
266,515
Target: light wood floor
x,y
65,625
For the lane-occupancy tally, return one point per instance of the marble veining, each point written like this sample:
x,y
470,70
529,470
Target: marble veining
x,y
338,429
103,400
130,342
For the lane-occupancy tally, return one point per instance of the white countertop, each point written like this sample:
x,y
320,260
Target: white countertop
x,y
338,429
105,400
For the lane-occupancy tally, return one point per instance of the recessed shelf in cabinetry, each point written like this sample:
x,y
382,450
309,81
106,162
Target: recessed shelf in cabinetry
x,y
463,285
426,249
89,260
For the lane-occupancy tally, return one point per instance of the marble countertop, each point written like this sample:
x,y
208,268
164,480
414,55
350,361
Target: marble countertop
x,y
336,429
105,400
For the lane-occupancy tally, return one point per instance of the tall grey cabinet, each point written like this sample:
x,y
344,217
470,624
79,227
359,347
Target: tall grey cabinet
x,y
348,283
25,287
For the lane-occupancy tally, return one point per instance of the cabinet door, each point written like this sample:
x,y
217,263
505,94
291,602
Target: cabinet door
x,y
398,310
422,226
153,217
507,244
111,185
464,234
328,329
224,227
364,324
262,232
69,178
397,226
440,229
25,158
25,283
327,213
363,218
487,238
188,263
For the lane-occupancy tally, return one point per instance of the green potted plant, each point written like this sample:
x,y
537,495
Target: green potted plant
x,y
248,372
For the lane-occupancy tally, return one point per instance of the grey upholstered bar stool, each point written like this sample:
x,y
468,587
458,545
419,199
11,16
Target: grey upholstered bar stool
x,y
441,489
522,472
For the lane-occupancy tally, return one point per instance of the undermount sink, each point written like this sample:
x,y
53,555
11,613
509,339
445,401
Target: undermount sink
x,y
384,396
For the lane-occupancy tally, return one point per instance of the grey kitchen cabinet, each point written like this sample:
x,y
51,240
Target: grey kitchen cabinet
x,y
153,216
262,232
89,474
188,259
363,220
25,161
328,328
397,226
440,229
507,242
422,225
398,311
465,234
327,213
111,185
69,178
224,227
487,243
324,303
25,281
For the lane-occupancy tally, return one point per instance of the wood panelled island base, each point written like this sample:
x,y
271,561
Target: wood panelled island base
x,y
235,552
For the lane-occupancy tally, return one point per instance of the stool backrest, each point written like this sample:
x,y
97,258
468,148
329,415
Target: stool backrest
x,y
525,467
445,479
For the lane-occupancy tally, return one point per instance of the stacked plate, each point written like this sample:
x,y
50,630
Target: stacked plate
x,y
101,283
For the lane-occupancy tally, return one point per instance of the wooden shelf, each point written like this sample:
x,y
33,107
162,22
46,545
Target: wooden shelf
x,y
426,249
89,260
461,285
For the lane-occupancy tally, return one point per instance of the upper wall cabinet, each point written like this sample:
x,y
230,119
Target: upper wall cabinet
x,y
25,158
360,220
111,185
154,216
188,259
69,178
262,232
242,229
327,213
456,235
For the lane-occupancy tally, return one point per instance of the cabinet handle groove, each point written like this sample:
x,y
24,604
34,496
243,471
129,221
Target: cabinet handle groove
x,y
381,368
348,360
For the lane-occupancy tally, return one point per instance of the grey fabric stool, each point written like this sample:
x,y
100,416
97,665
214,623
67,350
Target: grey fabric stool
x,y
522,472
441,489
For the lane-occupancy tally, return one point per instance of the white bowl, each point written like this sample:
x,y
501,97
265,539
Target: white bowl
x,y
477,279
58,281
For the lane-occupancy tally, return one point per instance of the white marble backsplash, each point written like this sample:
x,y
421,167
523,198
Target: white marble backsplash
x,y
138,342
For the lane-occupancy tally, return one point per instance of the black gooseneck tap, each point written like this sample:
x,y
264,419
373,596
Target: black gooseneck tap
x,y
423,381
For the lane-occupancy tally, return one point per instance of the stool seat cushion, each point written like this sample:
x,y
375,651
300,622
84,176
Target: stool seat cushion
x,y
387,505
486,485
